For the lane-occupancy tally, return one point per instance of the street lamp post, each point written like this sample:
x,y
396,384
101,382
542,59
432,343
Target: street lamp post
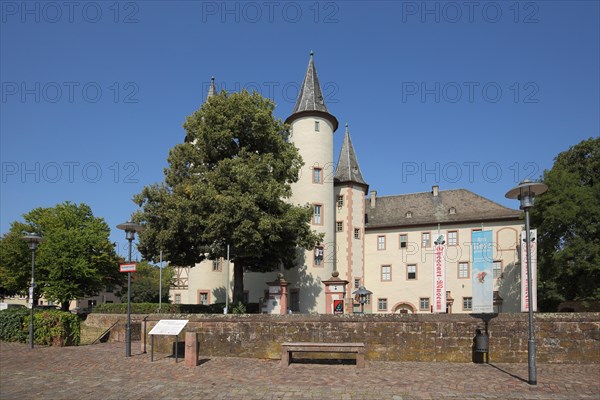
x,y
33,241
130,229
362,293
525,193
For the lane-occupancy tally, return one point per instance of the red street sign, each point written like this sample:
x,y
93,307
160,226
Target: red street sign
x,y
128,267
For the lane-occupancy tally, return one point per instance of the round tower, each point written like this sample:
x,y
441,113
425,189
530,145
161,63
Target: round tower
x,y
312,128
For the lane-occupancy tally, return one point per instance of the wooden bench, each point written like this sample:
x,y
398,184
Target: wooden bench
x,y
288,348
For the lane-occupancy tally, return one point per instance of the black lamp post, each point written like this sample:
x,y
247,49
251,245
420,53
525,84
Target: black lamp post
x,y
130,229
525,193
362,297
33,241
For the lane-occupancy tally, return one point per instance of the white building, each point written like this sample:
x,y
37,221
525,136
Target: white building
x,y
381,243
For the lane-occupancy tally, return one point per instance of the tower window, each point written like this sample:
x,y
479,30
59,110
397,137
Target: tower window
x,y
319,256
356,233
317,210
317,175
316,126
340,201
339,226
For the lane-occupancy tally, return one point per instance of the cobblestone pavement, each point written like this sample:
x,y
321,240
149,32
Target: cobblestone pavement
x,y
103,372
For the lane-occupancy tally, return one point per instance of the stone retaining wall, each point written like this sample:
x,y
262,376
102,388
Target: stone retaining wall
x,y
560,337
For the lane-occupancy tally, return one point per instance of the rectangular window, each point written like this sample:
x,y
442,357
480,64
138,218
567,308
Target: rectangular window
x,y
463,270
295,300
452,238
381,304
467,303
317,213
403,241
380,242
203,298
386,272
178,299
340,201
497,269
319,253
356,283
216,265
411,271
425,239
317,175
356,233
339,226
316,126
424,304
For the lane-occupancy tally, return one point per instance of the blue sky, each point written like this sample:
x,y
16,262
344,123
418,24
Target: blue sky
x,y
475,95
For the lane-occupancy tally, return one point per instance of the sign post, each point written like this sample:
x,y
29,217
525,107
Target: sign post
x,y
168,327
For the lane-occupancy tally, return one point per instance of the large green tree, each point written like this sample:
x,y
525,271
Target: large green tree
x,y
568,222
145,283
76,258
228,184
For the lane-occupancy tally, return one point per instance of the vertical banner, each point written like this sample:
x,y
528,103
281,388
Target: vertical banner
x,y
439,275
524,289
482,279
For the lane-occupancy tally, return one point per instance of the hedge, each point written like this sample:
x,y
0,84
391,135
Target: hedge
x,y
152,308
51,327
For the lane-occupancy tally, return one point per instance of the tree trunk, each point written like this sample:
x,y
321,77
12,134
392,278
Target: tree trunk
x,y
238,282
64,306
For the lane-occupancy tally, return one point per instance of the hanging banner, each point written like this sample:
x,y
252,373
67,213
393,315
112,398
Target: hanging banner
x,y
524,289
482,279
439,275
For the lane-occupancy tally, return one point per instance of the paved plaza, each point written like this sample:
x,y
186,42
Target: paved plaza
x,y
102,371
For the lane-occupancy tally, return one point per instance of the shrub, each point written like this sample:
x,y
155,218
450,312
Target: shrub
x,y
12,325
51,327
152,308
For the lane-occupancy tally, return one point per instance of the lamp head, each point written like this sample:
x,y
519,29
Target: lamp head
x,y
525,192
33,239
130,229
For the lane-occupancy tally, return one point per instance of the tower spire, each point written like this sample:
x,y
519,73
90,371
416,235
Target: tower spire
x,y
310,99
212,91
347,169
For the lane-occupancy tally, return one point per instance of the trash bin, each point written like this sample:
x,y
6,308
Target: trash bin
x,y
481,347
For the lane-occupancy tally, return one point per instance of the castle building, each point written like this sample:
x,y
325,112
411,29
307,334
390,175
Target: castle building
x,y
385,244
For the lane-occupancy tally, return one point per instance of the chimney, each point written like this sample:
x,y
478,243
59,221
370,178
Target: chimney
x,y
373,198
435,190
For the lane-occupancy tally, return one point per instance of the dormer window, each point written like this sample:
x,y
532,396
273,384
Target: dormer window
x,y
316,126
452,210
409,214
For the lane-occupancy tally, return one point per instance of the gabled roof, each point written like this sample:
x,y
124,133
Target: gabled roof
x,y
427,209
347,168
310,99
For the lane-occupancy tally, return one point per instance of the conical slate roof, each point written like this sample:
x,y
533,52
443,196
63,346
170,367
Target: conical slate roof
x,y
211,90
347,167
310,99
